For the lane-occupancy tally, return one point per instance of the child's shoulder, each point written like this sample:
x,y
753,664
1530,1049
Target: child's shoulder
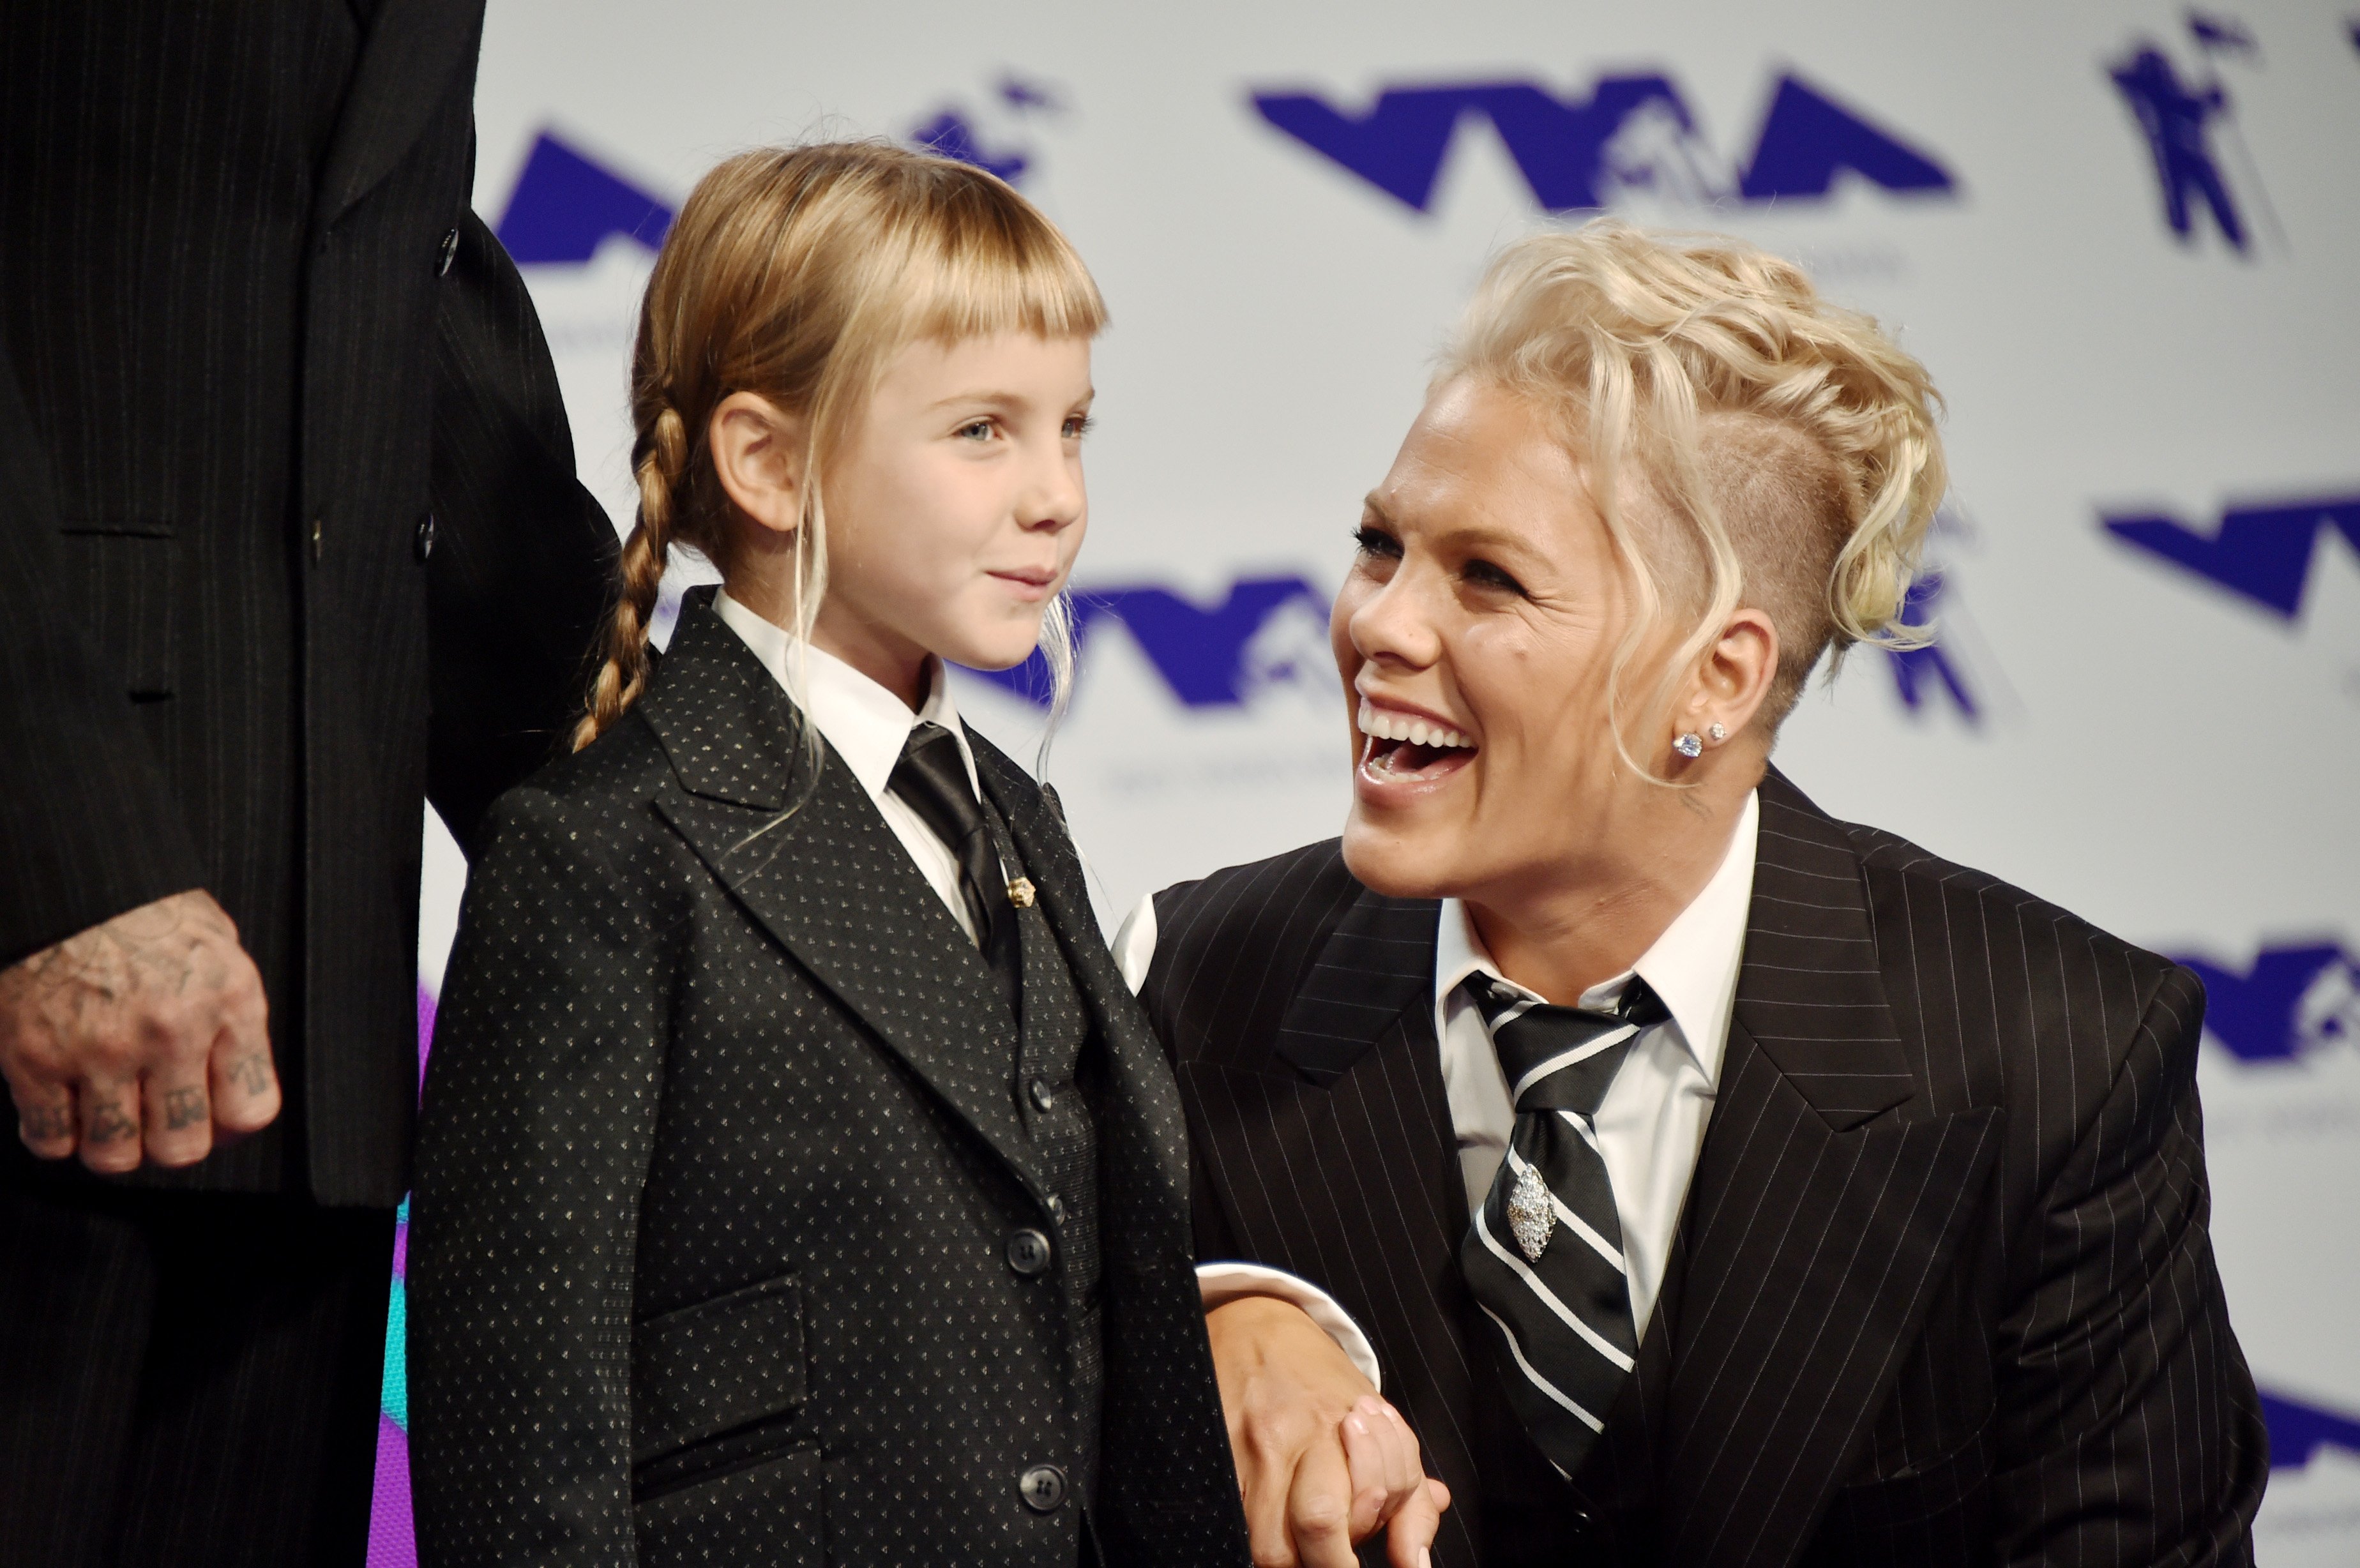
x,y
602,791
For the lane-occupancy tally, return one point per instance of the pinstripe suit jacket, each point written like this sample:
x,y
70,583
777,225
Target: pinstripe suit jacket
x,y
239,373
1949,1294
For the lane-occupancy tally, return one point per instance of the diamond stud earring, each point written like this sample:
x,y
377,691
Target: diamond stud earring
x,y
1690,745
1717,732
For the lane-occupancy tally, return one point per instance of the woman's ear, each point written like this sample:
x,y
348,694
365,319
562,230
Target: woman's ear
x,y
759,453
1734,677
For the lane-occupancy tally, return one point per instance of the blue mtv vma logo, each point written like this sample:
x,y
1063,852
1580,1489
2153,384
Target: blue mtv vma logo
x,y
2190,121
565,205
2300,1430
2296,999
1629,134
1919,674
1264,631
2262,553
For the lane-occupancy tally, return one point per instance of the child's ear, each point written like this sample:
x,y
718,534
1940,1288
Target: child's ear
x,y
758,452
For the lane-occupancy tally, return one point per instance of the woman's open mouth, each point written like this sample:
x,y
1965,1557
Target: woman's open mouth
x,y
1408,748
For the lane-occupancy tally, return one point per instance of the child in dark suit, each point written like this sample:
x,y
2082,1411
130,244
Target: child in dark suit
x,y
799,1182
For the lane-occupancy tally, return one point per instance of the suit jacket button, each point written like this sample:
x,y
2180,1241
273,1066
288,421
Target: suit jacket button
x,y
1043,1489
1028,1252
424,544
449,254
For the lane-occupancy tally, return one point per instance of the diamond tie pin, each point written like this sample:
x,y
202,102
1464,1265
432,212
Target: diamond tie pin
x,y
1531,1214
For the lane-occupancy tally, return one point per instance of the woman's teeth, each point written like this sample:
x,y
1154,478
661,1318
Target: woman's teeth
x,y
1378,723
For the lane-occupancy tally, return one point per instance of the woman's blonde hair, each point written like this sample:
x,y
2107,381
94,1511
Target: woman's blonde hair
x,y
796,273
1782,450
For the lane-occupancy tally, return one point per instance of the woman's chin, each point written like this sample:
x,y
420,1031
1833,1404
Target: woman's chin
x,y
1398,859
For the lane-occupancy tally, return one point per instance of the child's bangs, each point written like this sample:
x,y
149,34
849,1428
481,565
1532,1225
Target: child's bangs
x,y
998,266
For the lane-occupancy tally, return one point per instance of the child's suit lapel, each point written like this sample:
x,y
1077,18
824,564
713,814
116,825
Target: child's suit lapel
x,y
818,868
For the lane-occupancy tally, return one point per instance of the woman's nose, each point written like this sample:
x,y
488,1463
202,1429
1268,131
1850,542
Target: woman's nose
x,y
1392,625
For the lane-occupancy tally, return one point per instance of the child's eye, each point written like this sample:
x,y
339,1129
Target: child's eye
x,y
1374,541
976,429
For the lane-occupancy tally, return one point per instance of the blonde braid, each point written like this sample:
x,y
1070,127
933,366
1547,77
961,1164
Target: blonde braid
x,y
663,460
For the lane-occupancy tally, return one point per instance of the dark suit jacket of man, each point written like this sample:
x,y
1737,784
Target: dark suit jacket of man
x,y
724,1170
288,502
1947,1294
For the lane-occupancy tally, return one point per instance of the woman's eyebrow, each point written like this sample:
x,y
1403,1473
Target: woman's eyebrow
x,y
1487,539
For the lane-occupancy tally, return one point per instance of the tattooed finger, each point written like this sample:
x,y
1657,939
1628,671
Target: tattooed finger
x,y
109,1124
251,1072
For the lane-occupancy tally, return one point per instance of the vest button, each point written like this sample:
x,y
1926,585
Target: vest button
x,y
1042,1097
1028,1252
1056,1208
1043,1489
423,545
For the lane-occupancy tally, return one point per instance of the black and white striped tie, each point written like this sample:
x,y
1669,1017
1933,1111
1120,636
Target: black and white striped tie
x,y
1544,1255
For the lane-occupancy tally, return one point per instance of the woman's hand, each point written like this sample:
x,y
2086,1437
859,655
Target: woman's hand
x,y
1322,1461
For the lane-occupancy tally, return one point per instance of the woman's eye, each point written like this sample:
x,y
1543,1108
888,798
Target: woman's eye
x,y
1489,576
1080,426
1374,541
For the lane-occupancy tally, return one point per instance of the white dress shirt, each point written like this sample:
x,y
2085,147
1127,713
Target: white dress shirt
x,y
867,726
1651,1125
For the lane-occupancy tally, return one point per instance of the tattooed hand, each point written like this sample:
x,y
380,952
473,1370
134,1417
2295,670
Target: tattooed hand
x,y
143,1037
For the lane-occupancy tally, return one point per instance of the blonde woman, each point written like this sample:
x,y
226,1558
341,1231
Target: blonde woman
x,y
798,1182
1705,1179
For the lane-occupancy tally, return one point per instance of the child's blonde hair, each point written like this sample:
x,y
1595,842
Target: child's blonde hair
x,y
1788,445
796,273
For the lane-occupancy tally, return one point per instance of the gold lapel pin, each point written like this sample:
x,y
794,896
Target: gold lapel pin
x,y
1020,892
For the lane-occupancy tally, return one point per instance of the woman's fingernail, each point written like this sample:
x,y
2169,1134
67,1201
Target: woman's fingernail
x,y
1425,1558
1359,1425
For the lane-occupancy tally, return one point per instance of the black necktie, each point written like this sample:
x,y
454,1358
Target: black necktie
x,y
931,779
1544,1255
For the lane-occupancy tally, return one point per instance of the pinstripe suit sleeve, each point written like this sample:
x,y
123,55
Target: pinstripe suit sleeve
x,y
2130,1432
89,827
523,557
533,1150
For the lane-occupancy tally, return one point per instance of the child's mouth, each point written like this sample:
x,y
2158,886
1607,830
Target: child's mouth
x,y
1402,748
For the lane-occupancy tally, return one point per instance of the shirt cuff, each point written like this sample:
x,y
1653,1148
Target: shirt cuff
x,y
1221,1283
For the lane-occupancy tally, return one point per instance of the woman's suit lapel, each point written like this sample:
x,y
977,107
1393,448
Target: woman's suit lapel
x,y
1334,1158
1825,1205
827,879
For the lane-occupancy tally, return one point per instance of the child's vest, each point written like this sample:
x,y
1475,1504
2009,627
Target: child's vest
x,y
1064,1143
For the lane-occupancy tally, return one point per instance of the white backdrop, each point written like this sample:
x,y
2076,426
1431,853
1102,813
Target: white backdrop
x,y
2156,725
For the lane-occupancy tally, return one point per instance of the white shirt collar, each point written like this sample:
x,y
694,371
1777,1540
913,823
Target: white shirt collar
x,y
1692,966
866,724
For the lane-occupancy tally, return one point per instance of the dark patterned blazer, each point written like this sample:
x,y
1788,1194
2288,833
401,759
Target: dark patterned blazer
x,y
287,489
718,1179
1947,1294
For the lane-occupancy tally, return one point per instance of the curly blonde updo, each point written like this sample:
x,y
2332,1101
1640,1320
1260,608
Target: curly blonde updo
x,y
1782,452
796,273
